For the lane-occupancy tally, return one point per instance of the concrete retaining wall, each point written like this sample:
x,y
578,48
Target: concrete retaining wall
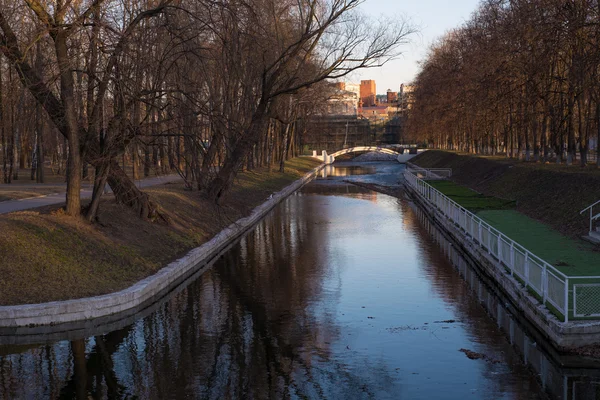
x,y
149,289
562,335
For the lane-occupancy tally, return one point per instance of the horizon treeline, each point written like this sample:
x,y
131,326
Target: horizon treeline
x,y
520,77
202,87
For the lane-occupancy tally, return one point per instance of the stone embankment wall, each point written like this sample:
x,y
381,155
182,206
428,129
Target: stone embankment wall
x,y
149,289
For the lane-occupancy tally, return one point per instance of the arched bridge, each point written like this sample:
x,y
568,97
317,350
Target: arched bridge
x,y
403,156
361,149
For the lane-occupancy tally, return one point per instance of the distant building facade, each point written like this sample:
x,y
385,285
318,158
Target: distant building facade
x,y
392,97
354,88
344,101
374,113
368,93
405,99
334,132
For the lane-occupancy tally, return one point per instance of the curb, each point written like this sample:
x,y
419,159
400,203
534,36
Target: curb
x,y
148,289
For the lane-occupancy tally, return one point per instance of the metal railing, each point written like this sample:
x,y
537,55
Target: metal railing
x,y
592,216
429,173
557,291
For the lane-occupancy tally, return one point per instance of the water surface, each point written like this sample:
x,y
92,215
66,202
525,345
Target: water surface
x,y
339,293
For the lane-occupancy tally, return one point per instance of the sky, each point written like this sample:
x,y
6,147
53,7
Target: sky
x,y
431,17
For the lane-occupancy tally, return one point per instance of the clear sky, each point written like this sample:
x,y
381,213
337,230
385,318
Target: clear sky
x,y
432,17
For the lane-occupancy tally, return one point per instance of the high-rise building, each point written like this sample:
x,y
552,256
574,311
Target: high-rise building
x,y
368,93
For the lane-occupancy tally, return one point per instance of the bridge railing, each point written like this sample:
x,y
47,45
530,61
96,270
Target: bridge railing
x,y
575,297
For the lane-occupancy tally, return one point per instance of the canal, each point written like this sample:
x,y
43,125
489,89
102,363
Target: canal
x,y
339,293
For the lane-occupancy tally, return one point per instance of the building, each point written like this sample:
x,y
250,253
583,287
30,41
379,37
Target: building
x,y
405,96
380,99
334,132
368,93
344,100
392,97
374,113
354,88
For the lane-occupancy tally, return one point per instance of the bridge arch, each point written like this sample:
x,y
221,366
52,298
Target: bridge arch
x,y
358,149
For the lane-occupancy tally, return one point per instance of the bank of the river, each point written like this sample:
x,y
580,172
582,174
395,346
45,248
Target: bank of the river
x,y
520,280
338,293
552,194
46,256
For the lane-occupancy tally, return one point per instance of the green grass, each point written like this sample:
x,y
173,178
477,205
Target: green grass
x,y
470,199
570,256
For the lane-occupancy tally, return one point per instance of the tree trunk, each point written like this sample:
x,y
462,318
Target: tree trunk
x,y
80,368
2,127
146,161
74,166
34,157
40,176
14,162
127,193
570,131
101,176
231,166
207,162
284,148
598,130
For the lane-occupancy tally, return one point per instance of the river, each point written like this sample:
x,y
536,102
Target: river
x,y
339,293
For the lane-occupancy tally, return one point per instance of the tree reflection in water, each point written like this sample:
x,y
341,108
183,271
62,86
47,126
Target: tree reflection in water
x,y
248,328
280,316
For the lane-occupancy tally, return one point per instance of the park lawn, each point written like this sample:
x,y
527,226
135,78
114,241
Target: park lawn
x,y
48,256
470,199
570,256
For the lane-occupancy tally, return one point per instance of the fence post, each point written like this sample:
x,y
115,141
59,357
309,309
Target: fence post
x,y
544,285
567,299
512,255
500,252
526,268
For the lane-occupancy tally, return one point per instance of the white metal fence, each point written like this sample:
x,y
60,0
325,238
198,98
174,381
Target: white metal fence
x,y
429,173
566,296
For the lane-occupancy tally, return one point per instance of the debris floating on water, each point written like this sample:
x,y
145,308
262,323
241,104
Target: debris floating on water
x,y
473,355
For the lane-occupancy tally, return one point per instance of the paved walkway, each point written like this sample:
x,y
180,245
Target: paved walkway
x,y
86,193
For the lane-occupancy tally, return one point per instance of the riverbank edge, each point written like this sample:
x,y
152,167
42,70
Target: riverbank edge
x,y
150,288
564,336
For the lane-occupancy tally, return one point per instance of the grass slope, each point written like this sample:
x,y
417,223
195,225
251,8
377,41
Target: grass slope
x,y
469,198
550,193
572,257
46,256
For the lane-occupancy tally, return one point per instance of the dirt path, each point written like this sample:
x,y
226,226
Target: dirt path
x,y
86,193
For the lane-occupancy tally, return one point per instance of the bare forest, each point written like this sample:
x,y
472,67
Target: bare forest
x,y
115,90
520,78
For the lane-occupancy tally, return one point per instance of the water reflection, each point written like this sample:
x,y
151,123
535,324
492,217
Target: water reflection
x,y
346,169
561,376
338,293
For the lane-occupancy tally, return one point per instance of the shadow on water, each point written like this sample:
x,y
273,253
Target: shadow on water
x,y
340,292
